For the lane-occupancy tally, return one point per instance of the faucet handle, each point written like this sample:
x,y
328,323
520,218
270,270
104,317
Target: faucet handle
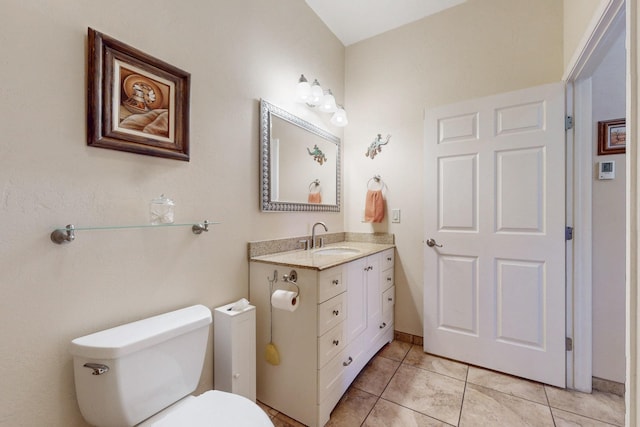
x,y
322,242
305,244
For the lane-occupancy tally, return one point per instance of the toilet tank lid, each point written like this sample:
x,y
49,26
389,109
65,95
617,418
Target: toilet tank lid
x,y
128,338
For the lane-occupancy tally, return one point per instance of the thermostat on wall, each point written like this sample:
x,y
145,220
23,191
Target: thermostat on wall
x,y
607,170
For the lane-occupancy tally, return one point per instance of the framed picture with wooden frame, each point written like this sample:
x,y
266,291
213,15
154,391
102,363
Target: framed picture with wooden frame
x,y
136,103
612,137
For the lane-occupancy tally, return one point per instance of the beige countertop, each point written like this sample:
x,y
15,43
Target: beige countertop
x,y
315,260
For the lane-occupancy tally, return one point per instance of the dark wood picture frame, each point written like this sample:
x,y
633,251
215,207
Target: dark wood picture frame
x,y
612,135
136,103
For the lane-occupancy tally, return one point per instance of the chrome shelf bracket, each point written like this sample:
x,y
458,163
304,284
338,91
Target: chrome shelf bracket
x,y
63,235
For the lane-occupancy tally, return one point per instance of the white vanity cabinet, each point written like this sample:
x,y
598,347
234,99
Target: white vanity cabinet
x,y
345,315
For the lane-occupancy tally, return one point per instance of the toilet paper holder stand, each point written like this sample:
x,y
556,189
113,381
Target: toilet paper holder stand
x,y
291,278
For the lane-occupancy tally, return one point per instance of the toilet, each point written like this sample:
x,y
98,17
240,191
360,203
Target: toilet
x,y
143,374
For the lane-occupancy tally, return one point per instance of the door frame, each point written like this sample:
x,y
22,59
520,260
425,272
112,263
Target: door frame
x,y
603,29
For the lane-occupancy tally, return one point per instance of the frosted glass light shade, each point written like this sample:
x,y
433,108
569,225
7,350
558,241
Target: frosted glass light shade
x,y
328,103
339,118
316,93
303,92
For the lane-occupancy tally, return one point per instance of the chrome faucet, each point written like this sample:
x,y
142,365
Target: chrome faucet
x,y
313,234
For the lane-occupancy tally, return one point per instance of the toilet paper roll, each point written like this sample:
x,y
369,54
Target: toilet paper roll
x,y
285,300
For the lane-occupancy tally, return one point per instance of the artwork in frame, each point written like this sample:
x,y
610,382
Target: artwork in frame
x,y
136,103
612,137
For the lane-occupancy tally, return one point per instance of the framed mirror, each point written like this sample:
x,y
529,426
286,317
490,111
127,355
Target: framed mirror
x,y
299,163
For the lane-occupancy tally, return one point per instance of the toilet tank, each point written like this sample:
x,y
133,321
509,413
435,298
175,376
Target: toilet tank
x,y
151,363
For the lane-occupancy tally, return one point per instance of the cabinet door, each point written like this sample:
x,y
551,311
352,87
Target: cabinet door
x,y
374,298
243,357
356,298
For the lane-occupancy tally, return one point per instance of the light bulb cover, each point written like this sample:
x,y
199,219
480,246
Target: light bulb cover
x,y
339,118
328,103
316,94
303,90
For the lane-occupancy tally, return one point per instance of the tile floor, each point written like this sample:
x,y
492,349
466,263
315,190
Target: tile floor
x,y
404,387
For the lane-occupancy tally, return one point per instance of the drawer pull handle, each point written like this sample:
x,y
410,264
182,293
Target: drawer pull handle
x,y
389,279
384,325
336,312
348,362
335,282
389,258
368,268
389,299
336,342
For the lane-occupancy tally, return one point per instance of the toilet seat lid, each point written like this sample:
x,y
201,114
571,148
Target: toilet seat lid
x,y
212,408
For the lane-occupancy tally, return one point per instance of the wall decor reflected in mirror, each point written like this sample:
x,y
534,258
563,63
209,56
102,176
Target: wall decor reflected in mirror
x,y
299,163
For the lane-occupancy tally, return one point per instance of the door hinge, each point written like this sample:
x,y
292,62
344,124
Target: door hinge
x,y
569,344
568,233
568,122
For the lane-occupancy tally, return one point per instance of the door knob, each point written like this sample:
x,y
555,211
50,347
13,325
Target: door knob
x,y
431,243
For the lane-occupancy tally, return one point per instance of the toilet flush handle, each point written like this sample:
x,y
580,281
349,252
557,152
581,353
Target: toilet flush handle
x,y
98,368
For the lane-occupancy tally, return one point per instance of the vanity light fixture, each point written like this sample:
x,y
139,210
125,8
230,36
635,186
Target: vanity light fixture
x,y
314,96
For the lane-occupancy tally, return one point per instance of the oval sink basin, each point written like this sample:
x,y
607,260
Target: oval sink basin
x,y
336,251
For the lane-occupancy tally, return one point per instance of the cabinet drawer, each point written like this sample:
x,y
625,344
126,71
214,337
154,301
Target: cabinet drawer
x,y
388,300
337,375
331,376
330,283
331,344
331,312
387,321
386,259
382,324
386,278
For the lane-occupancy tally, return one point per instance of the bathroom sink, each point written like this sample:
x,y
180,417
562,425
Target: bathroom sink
x,y
336,251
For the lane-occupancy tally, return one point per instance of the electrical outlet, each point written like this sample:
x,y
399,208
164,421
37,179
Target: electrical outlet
x,y
395,215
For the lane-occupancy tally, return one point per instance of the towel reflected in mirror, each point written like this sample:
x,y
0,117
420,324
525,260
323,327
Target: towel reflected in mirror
x,y
315,198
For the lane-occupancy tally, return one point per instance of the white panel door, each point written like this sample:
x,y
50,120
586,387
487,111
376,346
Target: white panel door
x,y
495,200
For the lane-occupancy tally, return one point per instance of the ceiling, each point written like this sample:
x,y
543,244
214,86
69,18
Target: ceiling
x,y
355,20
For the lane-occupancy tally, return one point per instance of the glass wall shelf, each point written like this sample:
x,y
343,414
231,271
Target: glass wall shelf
x,y
67,234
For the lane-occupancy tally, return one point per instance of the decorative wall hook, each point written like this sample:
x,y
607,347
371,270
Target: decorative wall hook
x,y
317,154
376,146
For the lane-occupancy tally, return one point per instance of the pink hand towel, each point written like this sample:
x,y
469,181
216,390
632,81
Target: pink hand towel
x,y
374,206
315,198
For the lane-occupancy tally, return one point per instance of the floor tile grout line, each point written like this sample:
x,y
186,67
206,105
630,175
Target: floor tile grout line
x,y
546,396
464,393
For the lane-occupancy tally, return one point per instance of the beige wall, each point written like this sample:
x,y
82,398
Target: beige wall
x,y
608,268
475,49
578,15
237,52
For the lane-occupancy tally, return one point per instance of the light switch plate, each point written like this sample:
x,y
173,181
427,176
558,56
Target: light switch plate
x,y
395,215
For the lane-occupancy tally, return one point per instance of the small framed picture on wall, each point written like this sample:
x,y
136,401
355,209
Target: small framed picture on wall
x,y
136,103
612,137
